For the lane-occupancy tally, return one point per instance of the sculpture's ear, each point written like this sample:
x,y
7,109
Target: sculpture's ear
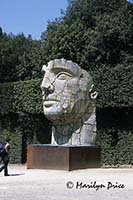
x,y
93,94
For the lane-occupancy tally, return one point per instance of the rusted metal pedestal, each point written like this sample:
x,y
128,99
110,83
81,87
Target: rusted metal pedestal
x,y
63,157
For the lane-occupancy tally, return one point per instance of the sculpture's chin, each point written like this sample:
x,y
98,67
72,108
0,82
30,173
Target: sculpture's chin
x,y
62,118
53,114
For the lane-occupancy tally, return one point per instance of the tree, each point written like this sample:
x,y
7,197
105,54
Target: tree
x,y
30,62
7,58
20,57
91,32
97,34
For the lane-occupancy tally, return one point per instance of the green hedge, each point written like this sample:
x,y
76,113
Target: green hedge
x,y
22,96
115,150
115,135
23,129
22,118
16,143
116,147
114,86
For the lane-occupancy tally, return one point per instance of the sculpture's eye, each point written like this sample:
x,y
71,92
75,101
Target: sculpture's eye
x,y
64,75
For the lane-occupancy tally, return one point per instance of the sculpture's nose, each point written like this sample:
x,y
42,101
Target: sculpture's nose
x,y
47,85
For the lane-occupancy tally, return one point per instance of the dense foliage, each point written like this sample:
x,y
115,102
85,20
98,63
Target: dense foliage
x,y
116,147
92,32
22,96
23,129
96,34
20,57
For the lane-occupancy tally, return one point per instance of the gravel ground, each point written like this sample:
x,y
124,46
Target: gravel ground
x,y
88,184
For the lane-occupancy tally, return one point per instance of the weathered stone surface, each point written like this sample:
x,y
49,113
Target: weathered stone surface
x,y
69,102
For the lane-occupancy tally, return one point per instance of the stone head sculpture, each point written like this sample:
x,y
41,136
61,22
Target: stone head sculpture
x,y
69,102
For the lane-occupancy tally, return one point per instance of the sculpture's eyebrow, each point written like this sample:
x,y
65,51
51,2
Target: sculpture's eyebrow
x,y
72,71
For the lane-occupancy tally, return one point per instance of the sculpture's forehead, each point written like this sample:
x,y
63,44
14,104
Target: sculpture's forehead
x,y
72,68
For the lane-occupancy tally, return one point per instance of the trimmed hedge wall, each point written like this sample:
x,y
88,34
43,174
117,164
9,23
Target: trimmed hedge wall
x,y
116,147
23,129
114,86
16,144
22,119
22,96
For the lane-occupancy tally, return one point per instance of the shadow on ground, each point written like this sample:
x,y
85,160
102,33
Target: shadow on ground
x,y
17,174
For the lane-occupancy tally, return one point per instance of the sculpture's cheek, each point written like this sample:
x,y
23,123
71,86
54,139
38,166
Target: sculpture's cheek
x,y
73,85
60,86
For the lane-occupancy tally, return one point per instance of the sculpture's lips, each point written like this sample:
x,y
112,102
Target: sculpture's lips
x,y
49,102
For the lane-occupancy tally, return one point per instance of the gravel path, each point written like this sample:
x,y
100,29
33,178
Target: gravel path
x,y
88,184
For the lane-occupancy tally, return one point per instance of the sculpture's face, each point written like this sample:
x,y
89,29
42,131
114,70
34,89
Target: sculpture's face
x,y
65,89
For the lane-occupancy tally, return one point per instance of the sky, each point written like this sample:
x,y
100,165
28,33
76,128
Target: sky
x,y
29,16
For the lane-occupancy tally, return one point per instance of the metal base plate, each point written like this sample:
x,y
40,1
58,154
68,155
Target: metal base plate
x,y
63,157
